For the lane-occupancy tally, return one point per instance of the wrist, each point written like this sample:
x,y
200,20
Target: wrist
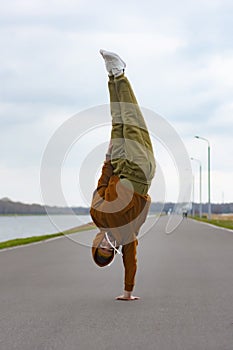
x,y
127,294
108,156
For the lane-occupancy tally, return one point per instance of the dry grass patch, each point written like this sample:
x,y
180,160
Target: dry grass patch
x,y
227,217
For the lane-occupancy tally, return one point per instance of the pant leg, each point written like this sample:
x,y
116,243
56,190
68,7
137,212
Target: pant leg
x,y
139,165
117,137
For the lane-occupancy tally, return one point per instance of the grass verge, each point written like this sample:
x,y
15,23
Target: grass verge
x,y
217,222
28,240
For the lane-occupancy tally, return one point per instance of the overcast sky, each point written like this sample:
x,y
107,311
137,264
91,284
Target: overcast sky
x,y
179,57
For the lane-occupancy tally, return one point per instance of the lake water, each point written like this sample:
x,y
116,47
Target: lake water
x,y
18,226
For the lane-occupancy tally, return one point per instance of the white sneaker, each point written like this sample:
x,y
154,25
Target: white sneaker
x,y
114,64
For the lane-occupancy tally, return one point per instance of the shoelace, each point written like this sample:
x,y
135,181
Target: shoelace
x,y
114,247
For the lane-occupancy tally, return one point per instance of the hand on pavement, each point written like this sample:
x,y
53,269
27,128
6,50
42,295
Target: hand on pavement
x,y
123,297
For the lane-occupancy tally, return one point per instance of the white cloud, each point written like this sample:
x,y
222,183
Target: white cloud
x,y
220,69
223,116
42,7
20,183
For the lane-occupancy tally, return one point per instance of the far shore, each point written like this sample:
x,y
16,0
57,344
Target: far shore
x,y
45,214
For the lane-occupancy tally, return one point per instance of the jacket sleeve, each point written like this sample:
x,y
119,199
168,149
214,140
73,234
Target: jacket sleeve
x,y
107,172
130,264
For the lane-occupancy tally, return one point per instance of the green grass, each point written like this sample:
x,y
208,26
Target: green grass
x,y
28,240
217,222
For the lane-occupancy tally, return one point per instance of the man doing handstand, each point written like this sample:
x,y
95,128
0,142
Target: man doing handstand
x,y
121,202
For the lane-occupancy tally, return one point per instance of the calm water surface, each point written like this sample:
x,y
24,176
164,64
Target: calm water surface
x,y
18,226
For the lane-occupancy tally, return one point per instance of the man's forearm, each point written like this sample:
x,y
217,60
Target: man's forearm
x,y
107,171
130,263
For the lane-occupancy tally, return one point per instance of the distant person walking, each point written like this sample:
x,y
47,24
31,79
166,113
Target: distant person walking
x,y
121,202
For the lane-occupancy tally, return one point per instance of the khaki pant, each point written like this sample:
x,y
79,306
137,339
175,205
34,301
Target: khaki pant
x,y
132,153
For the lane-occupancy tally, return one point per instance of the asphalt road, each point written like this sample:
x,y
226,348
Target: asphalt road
x,y
52,296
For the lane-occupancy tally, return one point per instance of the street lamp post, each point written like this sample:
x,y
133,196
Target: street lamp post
x,y
193,210
209,203
200,185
